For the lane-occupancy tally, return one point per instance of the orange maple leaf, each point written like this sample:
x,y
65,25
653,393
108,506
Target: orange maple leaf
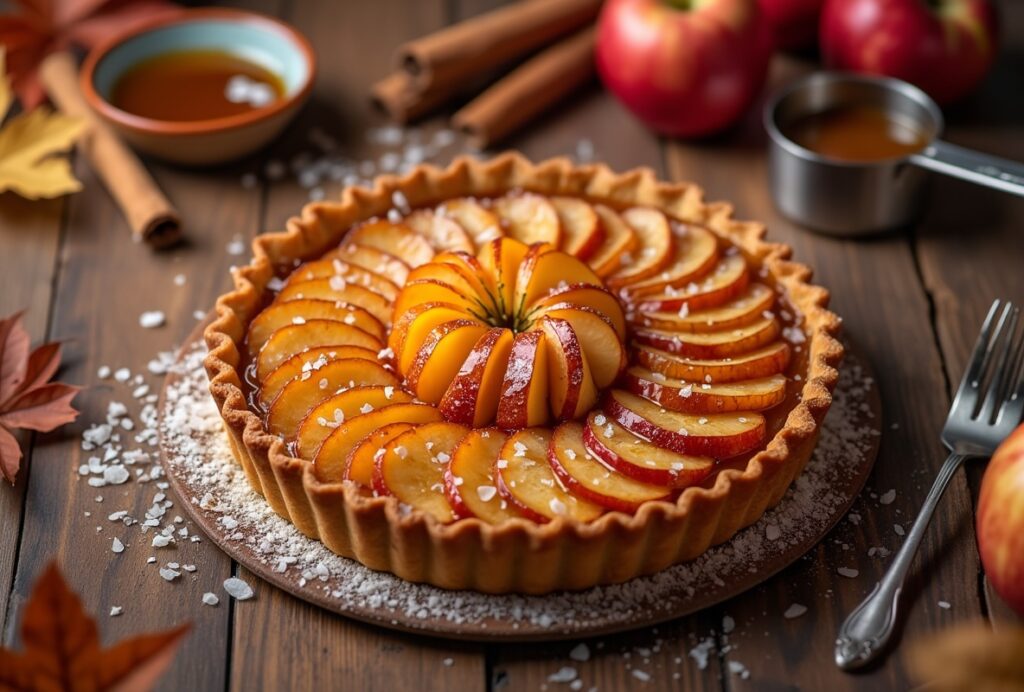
x,y
28,400
62,647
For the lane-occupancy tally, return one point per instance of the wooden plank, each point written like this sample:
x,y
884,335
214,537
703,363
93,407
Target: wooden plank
x,y
875,288
969,244
275,633
30,238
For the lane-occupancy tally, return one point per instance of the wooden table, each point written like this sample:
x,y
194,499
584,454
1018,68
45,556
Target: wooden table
x,y
912,300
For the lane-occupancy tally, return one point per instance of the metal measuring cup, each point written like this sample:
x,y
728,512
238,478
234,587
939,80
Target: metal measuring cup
x,y
858,198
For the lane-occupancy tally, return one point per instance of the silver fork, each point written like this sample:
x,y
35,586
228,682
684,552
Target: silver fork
x,y
994,378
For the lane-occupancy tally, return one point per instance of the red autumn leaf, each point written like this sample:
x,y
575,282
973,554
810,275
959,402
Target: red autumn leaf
x,y
28,400
62,647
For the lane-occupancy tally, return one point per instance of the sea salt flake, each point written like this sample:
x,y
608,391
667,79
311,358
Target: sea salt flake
x,y
848,572
563,674
152,319
641,675
238,589
887,497
117,546
115,611
580,652
945,605
169,574
557,506
795,610
210,599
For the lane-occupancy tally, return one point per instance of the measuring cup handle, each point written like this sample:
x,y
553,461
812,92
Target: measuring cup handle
x,y
983,169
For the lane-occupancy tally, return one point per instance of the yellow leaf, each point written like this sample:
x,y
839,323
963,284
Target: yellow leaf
x,y
27,145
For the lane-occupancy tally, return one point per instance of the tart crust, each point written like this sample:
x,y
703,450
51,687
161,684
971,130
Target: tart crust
x,y
519,555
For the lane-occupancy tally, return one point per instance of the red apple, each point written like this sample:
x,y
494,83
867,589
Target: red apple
x,y
794,23
943,46
685,67
1000,523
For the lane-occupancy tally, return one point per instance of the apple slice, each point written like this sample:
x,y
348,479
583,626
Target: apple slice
x,y
690,397
570,384
363,458
719,435
279,315
338,290
306,391
501,259
352,273
749,306
482,224
441,232
619,241
588,478
456,276
473,271
472,397
655,251
469,479
597,336
544,269
440,358
524,390
640,459
525,479
696,254
582,295
728,279
307,361
582,232
415,324
413,465
395,239
343,406
330,459
530,218
377,261
728,343
296,338
434,291
766,361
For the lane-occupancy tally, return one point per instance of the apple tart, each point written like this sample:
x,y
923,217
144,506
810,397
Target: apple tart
x,y
504,376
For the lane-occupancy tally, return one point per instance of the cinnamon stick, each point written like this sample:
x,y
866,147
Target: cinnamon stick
x,y
479,45
398,96
149,213
528,90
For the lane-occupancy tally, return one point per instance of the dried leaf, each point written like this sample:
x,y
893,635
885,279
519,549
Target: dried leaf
x,y
42,408
10,455
42,365
14,345
62,647
971,657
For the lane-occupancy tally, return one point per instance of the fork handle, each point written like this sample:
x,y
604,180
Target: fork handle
x,y
866,631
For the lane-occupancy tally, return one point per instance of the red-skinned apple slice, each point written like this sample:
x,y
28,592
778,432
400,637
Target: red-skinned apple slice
x,y
415,324
303,393
619,241
296,338
352,273
641,459
525,479
586,477
377,261
605,353
571,384
655,251
582,232
441,232
723,344
440,357
361,460
343,406
704,397
307,361
337,290
719,435
543,270
479,222
413,465
593,297
524,388
728,279
472,397
330,459
395,239
279,315
696,254
747,307
530,218
469,479
764,362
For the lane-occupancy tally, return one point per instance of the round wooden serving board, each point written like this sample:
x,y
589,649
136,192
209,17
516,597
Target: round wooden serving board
x,y
832,481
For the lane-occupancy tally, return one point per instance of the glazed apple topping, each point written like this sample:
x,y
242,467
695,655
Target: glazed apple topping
x,y
524,357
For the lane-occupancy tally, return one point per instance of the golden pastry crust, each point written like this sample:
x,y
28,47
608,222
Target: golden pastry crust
x,y
518,555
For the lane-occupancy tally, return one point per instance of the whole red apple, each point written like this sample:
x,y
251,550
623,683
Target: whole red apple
x,y
943,46
794,23
684,67
1000,523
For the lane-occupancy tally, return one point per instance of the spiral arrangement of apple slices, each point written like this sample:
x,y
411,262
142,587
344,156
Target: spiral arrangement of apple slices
x,y
523,356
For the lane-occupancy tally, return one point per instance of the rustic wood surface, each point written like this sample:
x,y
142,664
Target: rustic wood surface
x,y
913,301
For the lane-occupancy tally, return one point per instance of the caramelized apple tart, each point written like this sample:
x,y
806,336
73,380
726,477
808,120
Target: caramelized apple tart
x,y
513,377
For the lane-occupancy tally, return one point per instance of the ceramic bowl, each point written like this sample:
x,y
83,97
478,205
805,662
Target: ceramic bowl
x,y
257,38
